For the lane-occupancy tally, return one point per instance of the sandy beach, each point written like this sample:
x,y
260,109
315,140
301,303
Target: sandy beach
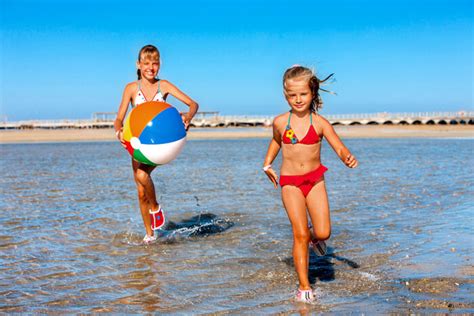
x,y
88,135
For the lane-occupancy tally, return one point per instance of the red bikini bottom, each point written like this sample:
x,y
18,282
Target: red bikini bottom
x,y
306,181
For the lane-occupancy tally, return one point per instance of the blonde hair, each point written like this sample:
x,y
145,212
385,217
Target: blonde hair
x,y
147,51
298,71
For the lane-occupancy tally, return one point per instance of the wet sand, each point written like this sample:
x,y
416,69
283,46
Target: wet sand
x,y
393,131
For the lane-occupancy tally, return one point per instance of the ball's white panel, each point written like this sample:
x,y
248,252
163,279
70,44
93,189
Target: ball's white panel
x,y
162,153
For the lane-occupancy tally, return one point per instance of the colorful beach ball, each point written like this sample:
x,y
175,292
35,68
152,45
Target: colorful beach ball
x,y
154,133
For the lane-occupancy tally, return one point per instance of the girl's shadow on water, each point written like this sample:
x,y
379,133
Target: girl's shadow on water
x,y
322,268
201,225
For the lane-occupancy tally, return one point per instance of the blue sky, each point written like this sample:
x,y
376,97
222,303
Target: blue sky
x,y
68,59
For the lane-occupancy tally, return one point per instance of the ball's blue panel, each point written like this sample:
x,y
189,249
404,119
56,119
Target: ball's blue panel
x,y
164,128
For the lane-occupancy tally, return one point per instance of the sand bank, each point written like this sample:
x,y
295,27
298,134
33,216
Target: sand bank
x,y
87,135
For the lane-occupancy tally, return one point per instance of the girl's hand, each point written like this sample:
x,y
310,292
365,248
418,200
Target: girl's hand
x,y
271,174
351,161
119,135
186,120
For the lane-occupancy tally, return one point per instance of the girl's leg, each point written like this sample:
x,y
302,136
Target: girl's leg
x,y
318,207
144,209
146,192
294,203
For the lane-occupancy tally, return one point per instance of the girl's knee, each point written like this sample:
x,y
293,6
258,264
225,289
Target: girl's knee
x,y
323,234
301,236
141,176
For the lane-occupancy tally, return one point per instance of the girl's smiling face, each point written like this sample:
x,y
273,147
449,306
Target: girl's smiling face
x,y
298,94
149,66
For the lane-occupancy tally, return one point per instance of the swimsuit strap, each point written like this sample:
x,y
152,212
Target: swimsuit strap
x,y
310,118
138,90
159,90
289,117
139,85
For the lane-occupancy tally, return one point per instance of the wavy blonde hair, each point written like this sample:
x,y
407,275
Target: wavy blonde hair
x,y
147,51
314,83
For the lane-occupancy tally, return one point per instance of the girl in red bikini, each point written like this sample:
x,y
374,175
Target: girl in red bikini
x,y
149,88
298,134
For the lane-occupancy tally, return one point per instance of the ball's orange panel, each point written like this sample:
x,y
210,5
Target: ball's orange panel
x,y
144,113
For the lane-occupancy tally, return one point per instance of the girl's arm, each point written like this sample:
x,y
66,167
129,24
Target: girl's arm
x,y
344,154
181,96
126,98
272,152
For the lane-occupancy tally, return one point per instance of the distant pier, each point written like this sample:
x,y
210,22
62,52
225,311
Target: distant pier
x,y
213,119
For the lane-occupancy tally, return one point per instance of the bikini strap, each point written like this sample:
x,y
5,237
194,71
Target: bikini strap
x,y
316,114
289,117
159,90
311,118
139,85
136,93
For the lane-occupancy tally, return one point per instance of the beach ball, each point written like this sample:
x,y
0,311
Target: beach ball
x,y
154,133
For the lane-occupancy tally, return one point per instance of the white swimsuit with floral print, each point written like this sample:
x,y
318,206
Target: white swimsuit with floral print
x,y
140,97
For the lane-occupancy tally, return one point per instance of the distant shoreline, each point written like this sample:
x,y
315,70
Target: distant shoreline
x,y
364,131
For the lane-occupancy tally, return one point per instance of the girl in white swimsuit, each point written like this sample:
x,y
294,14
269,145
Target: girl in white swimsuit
x,y
149,88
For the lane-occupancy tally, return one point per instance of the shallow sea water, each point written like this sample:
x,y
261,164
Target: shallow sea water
x,y
70,231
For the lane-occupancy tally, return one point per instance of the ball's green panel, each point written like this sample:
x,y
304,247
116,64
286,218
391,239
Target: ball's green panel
x,y
138,156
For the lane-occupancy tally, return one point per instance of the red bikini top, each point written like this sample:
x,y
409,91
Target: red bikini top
x,y
311,137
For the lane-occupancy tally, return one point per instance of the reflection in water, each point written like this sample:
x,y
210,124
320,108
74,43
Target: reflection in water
x,y
71,231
